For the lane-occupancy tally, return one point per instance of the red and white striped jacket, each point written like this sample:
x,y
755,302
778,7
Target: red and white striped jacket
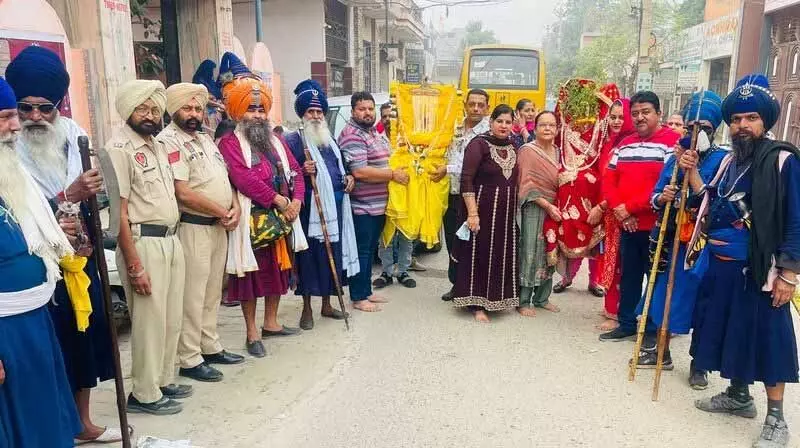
x,y
633,172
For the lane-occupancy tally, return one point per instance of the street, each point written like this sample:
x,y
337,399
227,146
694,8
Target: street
x,y
422,374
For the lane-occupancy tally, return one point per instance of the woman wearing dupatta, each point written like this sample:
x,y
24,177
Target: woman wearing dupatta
x,y
487,272
539,164
620,125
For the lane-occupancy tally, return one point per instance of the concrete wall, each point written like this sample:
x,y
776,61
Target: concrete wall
x,y
295,34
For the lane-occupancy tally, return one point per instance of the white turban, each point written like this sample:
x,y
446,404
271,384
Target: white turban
x,y
133,93
179,95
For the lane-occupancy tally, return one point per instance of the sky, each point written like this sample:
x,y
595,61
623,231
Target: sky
x,y
514,22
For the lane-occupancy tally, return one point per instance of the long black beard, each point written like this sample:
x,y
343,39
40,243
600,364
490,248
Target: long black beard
x,y
744,147
259,135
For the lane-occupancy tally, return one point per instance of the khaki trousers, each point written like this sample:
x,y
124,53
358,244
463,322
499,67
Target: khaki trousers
x,y
205,249
155,319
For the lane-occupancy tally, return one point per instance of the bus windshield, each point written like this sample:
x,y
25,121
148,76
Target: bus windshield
x,y
504,69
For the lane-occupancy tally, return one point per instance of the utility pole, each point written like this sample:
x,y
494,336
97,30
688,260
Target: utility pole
x,y
259,23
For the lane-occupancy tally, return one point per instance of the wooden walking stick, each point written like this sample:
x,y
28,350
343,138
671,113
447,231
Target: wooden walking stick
x,y
99,256
651,281
325,235
663,332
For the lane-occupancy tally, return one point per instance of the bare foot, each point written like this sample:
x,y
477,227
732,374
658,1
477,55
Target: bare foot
x,y
552,308
609,316
608,325
366,306
90,432
377,299
527,312
481,316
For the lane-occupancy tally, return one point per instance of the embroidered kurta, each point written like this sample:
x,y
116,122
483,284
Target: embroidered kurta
x,y
487,273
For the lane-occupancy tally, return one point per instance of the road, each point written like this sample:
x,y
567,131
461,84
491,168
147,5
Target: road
x,y
422,374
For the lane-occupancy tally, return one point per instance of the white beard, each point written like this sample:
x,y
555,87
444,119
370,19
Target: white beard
x,y
46,145
317,132
13,185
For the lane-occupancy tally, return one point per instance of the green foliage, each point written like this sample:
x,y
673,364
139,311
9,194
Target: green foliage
x,y
477,35
149,55
580,101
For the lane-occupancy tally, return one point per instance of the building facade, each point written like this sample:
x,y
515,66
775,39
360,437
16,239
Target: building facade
x,y
782,20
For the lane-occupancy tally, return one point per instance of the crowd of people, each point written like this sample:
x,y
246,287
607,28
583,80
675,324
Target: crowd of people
x,y
532,193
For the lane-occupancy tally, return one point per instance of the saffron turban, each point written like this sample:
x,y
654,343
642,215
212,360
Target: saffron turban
x,y
133,93
241,93
205,76
710,109
752,94
7,98
179,95
309,94
37,71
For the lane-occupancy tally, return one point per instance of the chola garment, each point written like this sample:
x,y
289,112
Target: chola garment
x,y
487,264
609,267
578,180
538,176
741,334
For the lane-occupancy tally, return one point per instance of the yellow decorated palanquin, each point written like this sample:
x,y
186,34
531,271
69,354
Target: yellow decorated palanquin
x,y
422,128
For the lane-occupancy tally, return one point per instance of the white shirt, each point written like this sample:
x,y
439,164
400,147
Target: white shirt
x,y
455,153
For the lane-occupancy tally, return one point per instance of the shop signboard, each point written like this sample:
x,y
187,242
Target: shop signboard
x,y
688,78
720,36
665,82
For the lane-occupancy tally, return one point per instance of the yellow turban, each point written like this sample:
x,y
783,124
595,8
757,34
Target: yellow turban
x,y
179,95
241,93
133,93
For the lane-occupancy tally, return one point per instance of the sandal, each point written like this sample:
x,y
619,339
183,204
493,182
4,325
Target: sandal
x,y
109,435
561,287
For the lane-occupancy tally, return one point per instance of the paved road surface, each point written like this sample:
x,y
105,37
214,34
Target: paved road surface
x,y
421,374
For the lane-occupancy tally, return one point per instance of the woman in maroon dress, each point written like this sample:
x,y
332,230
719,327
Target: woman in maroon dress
x,y
486,278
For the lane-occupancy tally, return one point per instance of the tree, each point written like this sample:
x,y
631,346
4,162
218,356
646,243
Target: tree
x,y
477,35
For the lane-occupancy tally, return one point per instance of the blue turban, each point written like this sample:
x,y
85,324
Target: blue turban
x,y
7,98
205,76
752,94
309,94
231,67
710,110
37,71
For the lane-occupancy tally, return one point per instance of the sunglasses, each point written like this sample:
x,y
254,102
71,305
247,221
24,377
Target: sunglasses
x,y
45,108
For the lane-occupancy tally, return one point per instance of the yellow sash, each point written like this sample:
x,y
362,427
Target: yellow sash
x,y
77,283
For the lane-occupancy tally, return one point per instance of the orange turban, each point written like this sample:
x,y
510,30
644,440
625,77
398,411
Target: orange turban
x,y
241,93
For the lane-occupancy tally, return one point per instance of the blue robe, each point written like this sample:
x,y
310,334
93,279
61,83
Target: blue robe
x,y
686,281
37,409
87,355
741,334
314,276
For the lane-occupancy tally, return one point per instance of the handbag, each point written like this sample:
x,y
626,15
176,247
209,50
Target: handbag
x,y
266,226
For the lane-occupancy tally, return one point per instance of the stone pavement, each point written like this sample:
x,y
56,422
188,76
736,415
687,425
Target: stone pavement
x,y
422,374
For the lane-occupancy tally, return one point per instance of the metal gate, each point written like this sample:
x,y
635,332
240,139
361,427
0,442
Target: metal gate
x,y
336,33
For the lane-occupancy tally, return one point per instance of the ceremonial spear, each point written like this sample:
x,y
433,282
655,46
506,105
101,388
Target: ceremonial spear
x,y
324,225
99,255
676,243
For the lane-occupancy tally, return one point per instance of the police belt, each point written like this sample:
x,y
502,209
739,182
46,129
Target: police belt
x,y
152,230
199,220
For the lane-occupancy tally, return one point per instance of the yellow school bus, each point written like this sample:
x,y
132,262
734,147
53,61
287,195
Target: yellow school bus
x,y
508,73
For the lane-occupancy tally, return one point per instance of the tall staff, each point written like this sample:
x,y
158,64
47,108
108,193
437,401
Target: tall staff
x,y
676,242
324,225
99,256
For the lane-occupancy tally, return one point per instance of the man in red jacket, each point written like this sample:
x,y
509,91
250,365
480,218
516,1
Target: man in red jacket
x,y
637,162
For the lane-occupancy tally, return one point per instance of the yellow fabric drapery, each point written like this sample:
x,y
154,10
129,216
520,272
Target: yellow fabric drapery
x,y
77,283
282,253
423,129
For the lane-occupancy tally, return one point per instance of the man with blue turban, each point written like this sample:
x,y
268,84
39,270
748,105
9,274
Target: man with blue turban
x,y
704,111
215,109
48,149
333,186
36,405
749,229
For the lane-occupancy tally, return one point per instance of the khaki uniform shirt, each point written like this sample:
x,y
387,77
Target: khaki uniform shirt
x,y
197,161
144,177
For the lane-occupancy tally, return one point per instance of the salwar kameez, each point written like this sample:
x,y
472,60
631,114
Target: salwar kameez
x,y
538,180
487,273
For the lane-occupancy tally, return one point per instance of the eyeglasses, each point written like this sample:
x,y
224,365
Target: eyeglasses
x,y
45,108
144,109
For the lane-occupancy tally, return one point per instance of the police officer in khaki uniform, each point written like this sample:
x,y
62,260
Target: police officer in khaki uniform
x,y
148,248
208,208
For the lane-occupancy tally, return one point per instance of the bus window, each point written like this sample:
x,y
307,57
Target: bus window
x,y
506,69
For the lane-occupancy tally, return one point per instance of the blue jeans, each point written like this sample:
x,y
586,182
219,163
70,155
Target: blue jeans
x,y
398,251
635,258
368,232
